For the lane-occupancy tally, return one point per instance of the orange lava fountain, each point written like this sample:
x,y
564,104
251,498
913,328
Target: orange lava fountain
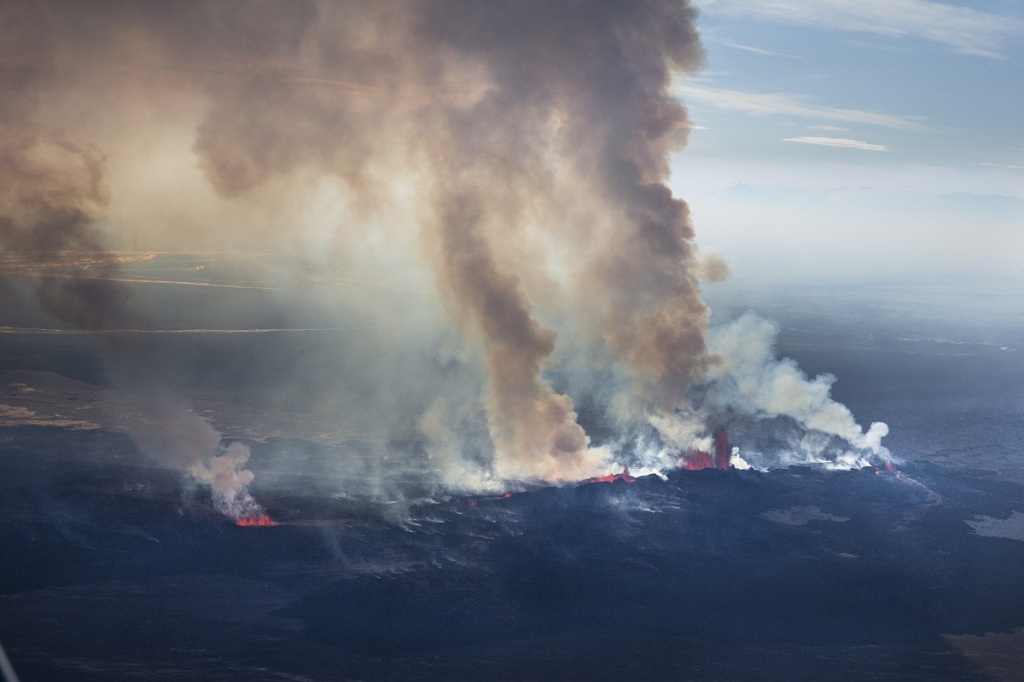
x,y
697,460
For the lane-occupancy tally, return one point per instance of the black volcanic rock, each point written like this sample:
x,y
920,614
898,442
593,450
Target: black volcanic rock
x,y
109,571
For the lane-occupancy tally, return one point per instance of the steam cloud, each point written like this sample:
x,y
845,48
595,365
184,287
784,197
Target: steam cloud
x,y
522,145
749,386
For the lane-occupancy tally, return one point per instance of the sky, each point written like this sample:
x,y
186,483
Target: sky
x,y
851,138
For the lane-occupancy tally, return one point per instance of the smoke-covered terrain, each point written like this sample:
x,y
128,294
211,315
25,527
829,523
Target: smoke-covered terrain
x,y
115,566
402,285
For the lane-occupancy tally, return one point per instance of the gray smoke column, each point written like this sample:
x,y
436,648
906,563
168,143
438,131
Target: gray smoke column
x,y
51,190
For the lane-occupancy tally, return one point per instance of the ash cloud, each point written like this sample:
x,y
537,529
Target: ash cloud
x,y
504,114
508,159
51,190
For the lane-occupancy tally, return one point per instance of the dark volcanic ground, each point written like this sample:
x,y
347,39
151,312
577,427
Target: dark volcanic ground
x,y
112,568
110,572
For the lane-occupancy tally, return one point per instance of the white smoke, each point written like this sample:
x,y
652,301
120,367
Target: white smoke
x,y
445,447
750,384
166,430
229,481
738,462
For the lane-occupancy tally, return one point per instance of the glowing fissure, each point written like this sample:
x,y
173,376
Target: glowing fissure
x,y
262,521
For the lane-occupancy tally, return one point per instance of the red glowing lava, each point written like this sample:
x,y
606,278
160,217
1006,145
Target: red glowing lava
x,y
697,460
610,478
722,450
263,520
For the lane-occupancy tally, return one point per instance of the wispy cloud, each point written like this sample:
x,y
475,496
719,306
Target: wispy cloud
x,y
839,142
1011,166
758,50
786,104
960,28
828,129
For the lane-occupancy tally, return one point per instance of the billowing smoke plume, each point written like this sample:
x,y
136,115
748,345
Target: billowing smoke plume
x,y
518,148
533,132
573,109
750,380
773,400
165,428
51,190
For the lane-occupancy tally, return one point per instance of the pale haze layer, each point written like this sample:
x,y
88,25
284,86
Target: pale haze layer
x,y
858,141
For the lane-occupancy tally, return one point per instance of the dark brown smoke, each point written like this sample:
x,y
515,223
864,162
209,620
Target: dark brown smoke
x,y
527,140
574,109
51,187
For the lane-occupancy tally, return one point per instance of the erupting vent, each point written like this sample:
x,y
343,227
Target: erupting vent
x,y
610,478
698,459
722,450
